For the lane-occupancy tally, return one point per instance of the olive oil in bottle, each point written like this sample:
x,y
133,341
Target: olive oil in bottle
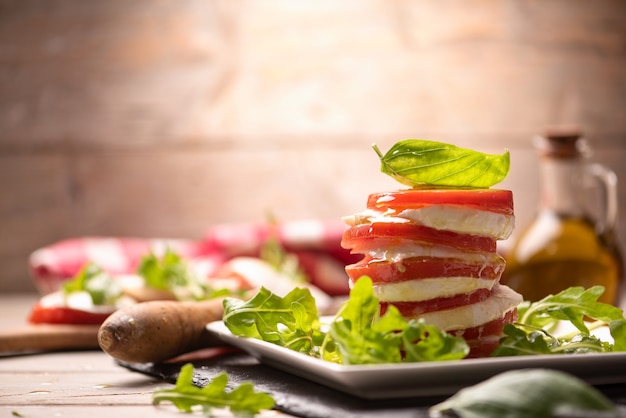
x,y
564,246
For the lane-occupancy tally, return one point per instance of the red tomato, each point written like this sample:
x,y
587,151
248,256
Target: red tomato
x,y
64,315
478,338
377,230
489,329
423,268
411,309
492,200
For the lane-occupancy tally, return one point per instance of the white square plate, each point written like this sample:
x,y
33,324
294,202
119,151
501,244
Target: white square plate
x,y
388,381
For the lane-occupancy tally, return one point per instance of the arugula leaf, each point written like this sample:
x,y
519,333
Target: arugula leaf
x,y
164,272
572,304
289,322
517,342
102,288
363,336
526,394
172,273
273,252
423,342
532,334
416,162
357,335
242,401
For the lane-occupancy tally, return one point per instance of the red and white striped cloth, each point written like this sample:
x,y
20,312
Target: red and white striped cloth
x,y
316,243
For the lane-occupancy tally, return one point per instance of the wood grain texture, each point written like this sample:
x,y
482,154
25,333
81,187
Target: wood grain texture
x,y
159,120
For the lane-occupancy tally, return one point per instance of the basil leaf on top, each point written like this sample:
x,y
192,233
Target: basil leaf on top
x,y
416,162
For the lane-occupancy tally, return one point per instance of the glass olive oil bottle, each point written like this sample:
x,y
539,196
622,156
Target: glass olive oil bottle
x,y
564,246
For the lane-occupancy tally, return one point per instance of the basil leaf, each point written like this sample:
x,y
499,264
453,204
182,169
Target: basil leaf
x,y
416,162
242,400
527,394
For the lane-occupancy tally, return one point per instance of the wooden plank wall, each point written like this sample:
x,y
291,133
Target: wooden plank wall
x,y
161,118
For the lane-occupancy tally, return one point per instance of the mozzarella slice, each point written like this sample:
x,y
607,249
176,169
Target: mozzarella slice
x,y
411,249
425,289
444,217
502,300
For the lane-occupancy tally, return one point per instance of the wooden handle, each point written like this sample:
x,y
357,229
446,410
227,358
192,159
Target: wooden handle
x,y
156,331
44,337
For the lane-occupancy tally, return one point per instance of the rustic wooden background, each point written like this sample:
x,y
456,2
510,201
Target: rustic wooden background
x,y
161,118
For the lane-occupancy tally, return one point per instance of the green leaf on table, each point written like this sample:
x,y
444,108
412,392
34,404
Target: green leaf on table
x,y
242,400
416,163
527,393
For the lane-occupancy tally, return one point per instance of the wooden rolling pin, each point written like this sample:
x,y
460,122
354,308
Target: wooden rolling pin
x,y
152,332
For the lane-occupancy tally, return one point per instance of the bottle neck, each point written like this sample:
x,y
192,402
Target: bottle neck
x,y
562,186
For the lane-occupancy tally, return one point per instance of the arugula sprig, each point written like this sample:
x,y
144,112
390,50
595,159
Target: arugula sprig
x,y
100,286
533,333
291,321
363,336
242,400
274,253
170,272
358,334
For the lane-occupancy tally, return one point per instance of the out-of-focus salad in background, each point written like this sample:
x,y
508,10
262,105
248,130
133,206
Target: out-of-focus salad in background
x,y
163,120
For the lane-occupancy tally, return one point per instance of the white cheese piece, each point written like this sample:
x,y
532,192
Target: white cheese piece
x,y
403,249
425,289
444,217
502,300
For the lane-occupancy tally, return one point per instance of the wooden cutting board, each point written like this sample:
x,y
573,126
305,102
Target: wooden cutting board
x,y
44,337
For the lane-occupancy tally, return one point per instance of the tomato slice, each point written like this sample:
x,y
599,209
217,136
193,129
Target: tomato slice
x,y
64,315
423,268
488,329
396,230
492,200
411,309
483,339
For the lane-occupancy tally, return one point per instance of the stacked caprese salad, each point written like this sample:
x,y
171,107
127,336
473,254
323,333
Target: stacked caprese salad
x,y
431,250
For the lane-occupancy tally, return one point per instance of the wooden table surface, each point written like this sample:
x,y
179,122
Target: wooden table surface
x,y
81,383
74,384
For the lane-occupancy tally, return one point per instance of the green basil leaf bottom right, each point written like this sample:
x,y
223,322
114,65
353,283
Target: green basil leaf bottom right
x,y
530,393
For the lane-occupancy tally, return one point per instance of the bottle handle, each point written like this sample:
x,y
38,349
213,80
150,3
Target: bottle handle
x,y
608,181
